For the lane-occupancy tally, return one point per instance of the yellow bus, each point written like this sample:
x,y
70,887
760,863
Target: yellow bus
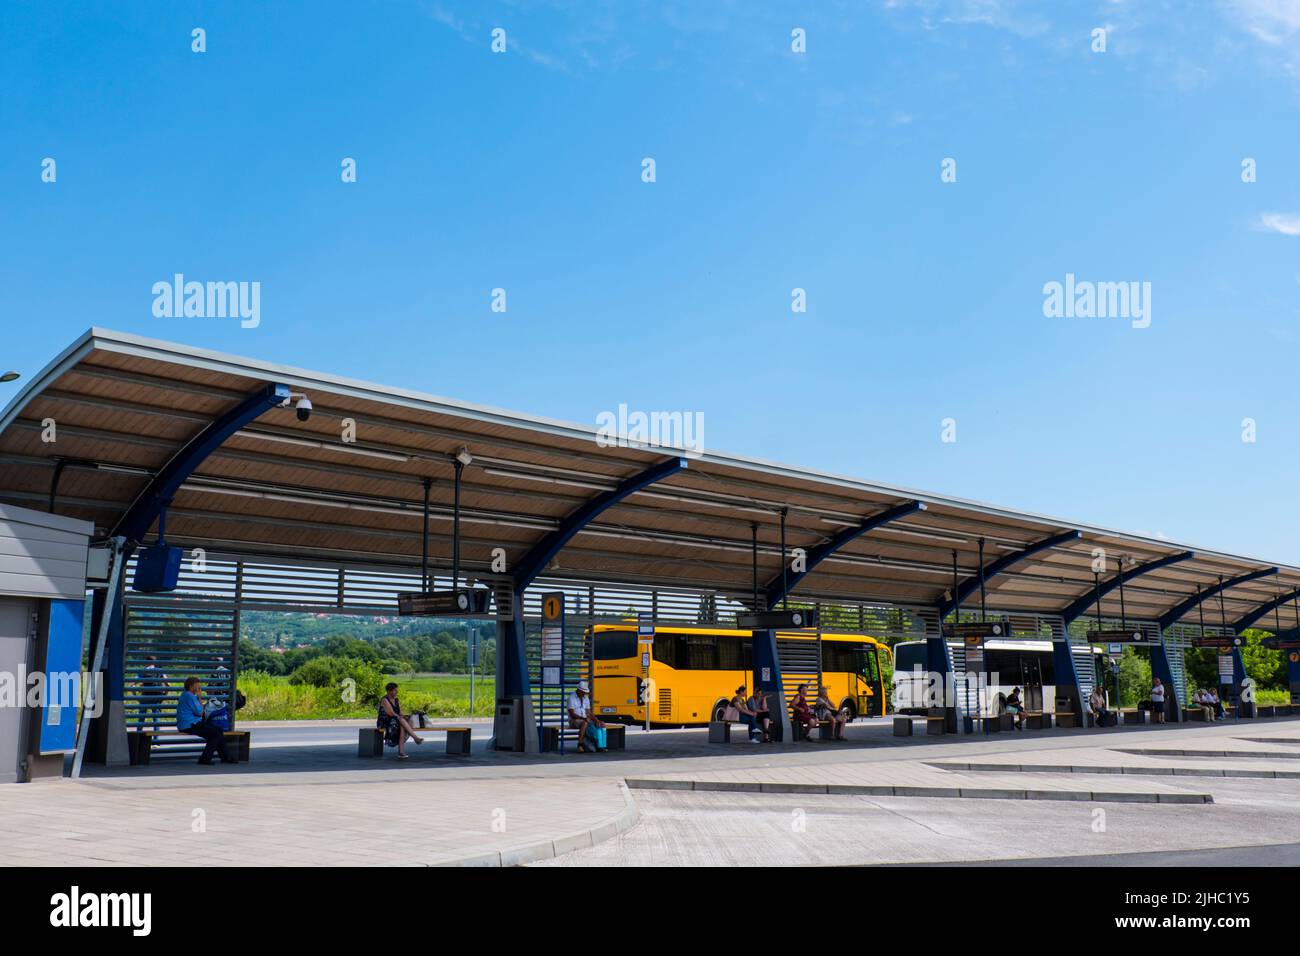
x,y
690,673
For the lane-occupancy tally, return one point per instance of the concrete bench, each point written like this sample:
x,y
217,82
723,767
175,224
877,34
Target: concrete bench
x,y
720,730
139,744
1067,718
996,723
1037,720
902,726
615,737
370,740
801,732
1132,715
936,726
1194,714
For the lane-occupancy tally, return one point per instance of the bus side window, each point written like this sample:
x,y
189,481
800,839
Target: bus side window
x,y
664,650
731,653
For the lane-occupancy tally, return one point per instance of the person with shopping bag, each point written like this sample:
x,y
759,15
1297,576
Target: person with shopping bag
x,y
193,717
591,731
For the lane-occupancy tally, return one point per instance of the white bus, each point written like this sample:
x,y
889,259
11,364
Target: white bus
x,y
1026,664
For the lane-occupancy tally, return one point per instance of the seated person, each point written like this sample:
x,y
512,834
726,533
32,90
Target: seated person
x,y
801,712
1016,708
1212,699
1201,699
1097,707
748,716
825,710
190,720
397,729
757,703
584,721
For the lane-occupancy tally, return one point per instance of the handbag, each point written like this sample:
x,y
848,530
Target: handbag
x,y
220,718
731,714
600,737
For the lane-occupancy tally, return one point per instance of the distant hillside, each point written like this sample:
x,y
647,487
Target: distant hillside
x,y
281,642
291,629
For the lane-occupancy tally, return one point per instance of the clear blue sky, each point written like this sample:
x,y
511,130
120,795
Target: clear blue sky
x,y
774,170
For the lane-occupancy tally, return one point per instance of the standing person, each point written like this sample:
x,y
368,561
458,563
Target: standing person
x,y
801,712
1158,700
825,710
1097,704
586,723
397,729
757,704
1016,708
748,716
190,720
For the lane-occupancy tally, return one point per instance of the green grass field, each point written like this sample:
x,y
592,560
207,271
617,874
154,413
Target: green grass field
x,y
439,695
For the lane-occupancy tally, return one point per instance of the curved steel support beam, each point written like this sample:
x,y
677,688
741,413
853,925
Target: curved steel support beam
x,y
1249,619
540,555
1176,612
158,493
994,568
773,591
1076,609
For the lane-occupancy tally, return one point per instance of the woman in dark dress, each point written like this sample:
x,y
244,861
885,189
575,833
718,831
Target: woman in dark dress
x,y
396,728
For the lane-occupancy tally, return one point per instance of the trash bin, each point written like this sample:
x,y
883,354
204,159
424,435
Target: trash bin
x,y
509,724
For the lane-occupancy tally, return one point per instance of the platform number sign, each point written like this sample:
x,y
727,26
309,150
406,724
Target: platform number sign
x,y
553,638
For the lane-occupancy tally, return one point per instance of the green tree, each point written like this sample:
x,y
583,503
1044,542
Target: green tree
x,y
1134,677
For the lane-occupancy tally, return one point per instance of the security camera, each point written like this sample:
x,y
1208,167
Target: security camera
x,y
463,456
304,408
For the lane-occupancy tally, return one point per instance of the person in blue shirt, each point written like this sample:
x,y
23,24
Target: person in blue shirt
x,y
190,720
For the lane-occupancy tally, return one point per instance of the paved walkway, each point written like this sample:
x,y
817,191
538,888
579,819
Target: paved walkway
x,y
307,799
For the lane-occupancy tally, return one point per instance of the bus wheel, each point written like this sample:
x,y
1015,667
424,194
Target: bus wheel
x,y
848,711
719,709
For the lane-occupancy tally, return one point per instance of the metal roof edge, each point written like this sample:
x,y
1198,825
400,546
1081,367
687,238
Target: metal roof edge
x,y
164,350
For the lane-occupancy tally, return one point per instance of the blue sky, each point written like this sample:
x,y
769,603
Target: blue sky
x,y
774,170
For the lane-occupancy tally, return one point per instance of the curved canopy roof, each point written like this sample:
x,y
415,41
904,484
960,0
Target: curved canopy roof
x,y
123,407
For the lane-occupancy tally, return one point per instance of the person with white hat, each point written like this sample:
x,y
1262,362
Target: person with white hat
x,y
589,726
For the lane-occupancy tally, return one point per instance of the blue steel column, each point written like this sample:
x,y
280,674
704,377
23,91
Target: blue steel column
x,y
1004,563
512,653
1076,609
1160,654
938,665
1293,674
109,729
107,743
1239,676
767,658
1063,665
